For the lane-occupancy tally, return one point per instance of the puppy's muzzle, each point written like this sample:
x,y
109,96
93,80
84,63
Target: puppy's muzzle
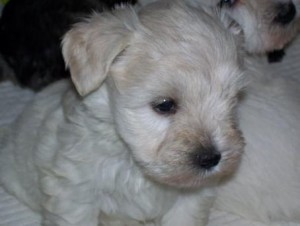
x,y
286,13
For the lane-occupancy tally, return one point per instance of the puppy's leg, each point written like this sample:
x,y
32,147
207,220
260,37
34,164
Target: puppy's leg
x,y
190,210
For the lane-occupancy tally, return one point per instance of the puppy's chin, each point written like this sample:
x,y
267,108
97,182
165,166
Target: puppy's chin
x,y
194,178
191,180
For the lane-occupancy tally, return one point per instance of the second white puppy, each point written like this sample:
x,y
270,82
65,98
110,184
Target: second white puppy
x,y
265,25
158,123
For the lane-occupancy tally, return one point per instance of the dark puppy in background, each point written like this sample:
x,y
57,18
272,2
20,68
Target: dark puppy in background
x,y
31,32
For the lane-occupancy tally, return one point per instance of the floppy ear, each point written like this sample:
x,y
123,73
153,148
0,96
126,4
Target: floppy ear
x,y
90,47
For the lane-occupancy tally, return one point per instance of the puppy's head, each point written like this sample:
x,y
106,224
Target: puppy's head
x,y
173,88
267,25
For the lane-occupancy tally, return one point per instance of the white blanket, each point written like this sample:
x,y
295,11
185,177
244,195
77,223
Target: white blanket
x,y
13,99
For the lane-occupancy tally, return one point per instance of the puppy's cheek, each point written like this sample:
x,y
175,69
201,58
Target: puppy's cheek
x,y
143,131
229,163
232,148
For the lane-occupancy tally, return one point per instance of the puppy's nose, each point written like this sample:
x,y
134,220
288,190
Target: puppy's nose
x,y
206,158
286,13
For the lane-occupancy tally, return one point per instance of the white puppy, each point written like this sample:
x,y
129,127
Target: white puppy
x,y
156,123
267,25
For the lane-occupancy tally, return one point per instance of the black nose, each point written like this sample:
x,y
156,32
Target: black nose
x,y
206,158
286,13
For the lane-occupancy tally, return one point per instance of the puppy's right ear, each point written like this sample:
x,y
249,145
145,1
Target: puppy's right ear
x,y
90,47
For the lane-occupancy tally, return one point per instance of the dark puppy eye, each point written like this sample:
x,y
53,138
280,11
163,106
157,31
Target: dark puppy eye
x,y
227,3
164,106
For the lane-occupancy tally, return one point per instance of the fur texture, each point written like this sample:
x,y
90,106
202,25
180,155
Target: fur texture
x,y
266,187
154,130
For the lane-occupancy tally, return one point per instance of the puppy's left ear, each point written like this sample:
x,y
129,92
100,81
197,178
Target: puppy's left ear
x,y
90,47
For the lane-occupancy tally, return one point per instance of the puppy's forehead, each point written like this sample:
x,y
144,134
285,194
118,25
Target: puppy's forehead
x,y
195,45
169,55
179,29
188,77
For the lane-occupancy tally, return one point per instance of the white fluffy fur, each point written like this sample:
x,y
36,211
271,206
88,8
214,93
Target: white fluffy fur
x,y
267,184
108,155
53,157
